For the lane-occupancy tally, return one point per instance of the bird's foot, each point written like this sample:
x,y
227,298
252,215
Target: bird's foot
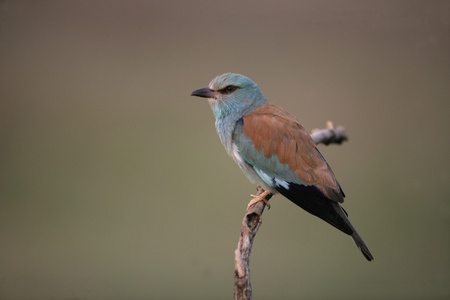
x,y
259,198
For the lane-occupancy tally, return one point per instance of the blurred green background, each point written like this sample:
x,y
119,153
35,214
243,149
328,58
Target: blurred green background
x,y
114,184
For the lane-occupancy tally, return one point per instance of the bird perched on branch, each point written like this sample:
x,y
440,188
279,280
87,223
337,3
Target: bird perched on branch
x,y
274,150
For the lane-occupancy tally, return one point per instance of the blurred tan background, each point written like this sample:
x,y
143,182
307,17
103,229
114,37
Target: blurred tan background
x,y
114,184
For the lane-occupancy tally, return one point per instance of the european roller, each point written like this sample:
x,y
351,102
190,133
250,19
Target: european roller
x,y
274,151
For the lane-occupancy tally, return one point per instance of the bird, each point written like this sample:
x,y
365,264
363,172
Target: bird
x,y
275,151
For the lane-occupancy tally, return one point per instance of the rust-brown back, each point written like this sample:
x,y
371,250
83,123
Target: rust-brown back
x,y
276,132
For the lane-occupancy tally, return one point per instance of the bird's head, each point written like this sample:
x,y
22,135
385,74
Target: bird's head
x,y
232,93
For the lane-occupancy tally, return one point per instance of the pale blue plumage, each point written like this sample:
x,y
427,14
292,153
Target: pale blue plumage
x,y
228,109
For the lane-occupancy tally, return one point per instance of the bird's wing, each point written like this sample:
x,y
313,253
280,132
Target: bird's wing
x,y
285,157
283,154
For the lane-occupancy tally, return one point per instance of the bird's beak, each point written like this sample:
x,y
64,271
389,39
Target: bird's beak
x,y
204,93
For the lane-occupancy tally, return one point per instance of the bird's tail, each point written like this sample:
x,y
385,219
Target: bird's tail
x,y
354,234
361,245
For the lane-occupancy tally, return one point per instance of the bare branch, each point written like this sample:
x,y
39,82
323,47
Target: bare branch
x,y
250,225
330,135
252,220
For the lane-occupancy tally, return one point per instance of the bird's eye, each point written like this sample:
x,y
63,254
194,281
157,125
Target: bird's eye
x,y
228,89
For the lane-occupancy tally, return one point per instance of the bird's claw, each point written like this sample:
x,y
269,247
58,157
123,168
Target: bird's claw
x,y
259,198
